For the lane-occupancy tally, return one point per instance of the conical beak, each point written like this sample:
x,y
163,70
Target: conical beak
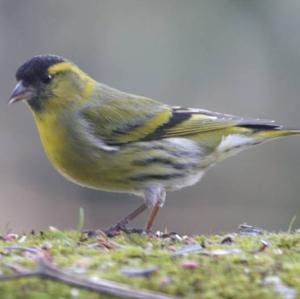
x,y
20,93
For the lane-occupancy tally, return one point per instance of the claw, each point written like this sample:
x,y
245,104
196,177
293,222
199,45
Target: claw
x,y
116,229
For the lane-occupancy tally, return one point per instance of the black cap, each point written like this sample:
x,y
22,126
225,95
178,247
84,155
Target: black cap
x,y
36,68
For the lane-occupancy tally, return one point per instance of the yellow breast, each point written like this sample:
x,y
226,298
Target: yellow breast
x,y
53,137
72,156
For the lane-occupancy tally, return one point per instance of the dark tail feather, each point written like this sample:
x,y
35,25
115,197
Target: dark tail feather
x,y
262,127
270,130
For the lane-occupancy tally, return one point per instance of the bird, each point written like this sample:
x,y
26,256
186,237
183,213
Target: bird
x,y
102,138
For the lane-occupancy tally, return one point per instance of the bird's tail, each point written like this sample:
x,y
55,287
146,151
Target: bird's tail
x,y
270,131
248,134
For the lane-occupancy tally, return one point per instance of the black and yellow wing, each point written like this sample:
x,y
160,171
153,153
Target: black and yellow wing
x,y
141,119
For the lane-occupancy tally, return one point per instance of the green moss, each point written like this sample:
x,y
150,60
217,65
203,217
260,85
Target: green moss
x,y
239,270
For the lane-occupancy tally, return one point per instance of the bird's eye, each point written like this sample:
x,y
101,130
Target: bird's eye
x,y
46,79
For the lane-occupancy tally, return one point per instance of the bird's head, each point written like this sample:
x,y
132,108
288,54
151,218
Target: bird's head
x,y
50,81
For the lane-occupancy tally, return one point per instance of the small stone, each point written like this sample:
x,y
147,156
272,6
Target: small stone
x,y
246,229
190,264
11,237
165,280
228,239
74,292
277,251
46,246
22,239
139,271
219,252
196,248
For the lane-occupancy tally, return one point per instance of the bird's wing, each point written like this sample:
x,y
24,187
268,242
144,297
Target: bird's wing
x,y
119,122
141,119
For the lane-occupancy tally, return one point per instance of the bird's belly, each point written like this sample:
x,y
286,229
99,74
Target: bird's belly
x,y
86,168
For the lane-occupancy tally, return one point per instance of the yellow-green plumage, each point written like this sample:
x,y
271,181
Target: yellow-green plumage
x,y
103,138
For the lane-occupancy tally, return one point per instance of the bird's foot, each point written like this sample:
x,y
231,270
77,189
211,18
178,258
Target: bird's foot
x,y
141,231
91,233
114,230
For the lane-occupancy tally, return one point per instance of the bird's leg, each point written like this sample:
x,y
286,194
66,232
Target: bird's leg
x,y
152,216
155,196
111,231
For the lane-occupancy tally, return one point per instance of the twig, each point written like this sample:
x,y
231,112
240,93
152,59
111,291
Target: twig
x,y
291,224
46,270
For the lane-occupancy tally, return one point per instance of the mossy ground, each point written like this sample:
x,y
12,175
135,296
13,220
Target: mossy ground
x,y
250,266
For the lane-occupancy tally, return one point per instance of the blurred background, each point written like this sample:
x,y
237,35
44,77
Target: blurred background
x,y
233,56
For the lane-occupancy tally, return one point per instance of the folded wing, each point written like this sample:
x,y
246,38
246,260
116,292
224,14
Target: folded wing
x,y
119,122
